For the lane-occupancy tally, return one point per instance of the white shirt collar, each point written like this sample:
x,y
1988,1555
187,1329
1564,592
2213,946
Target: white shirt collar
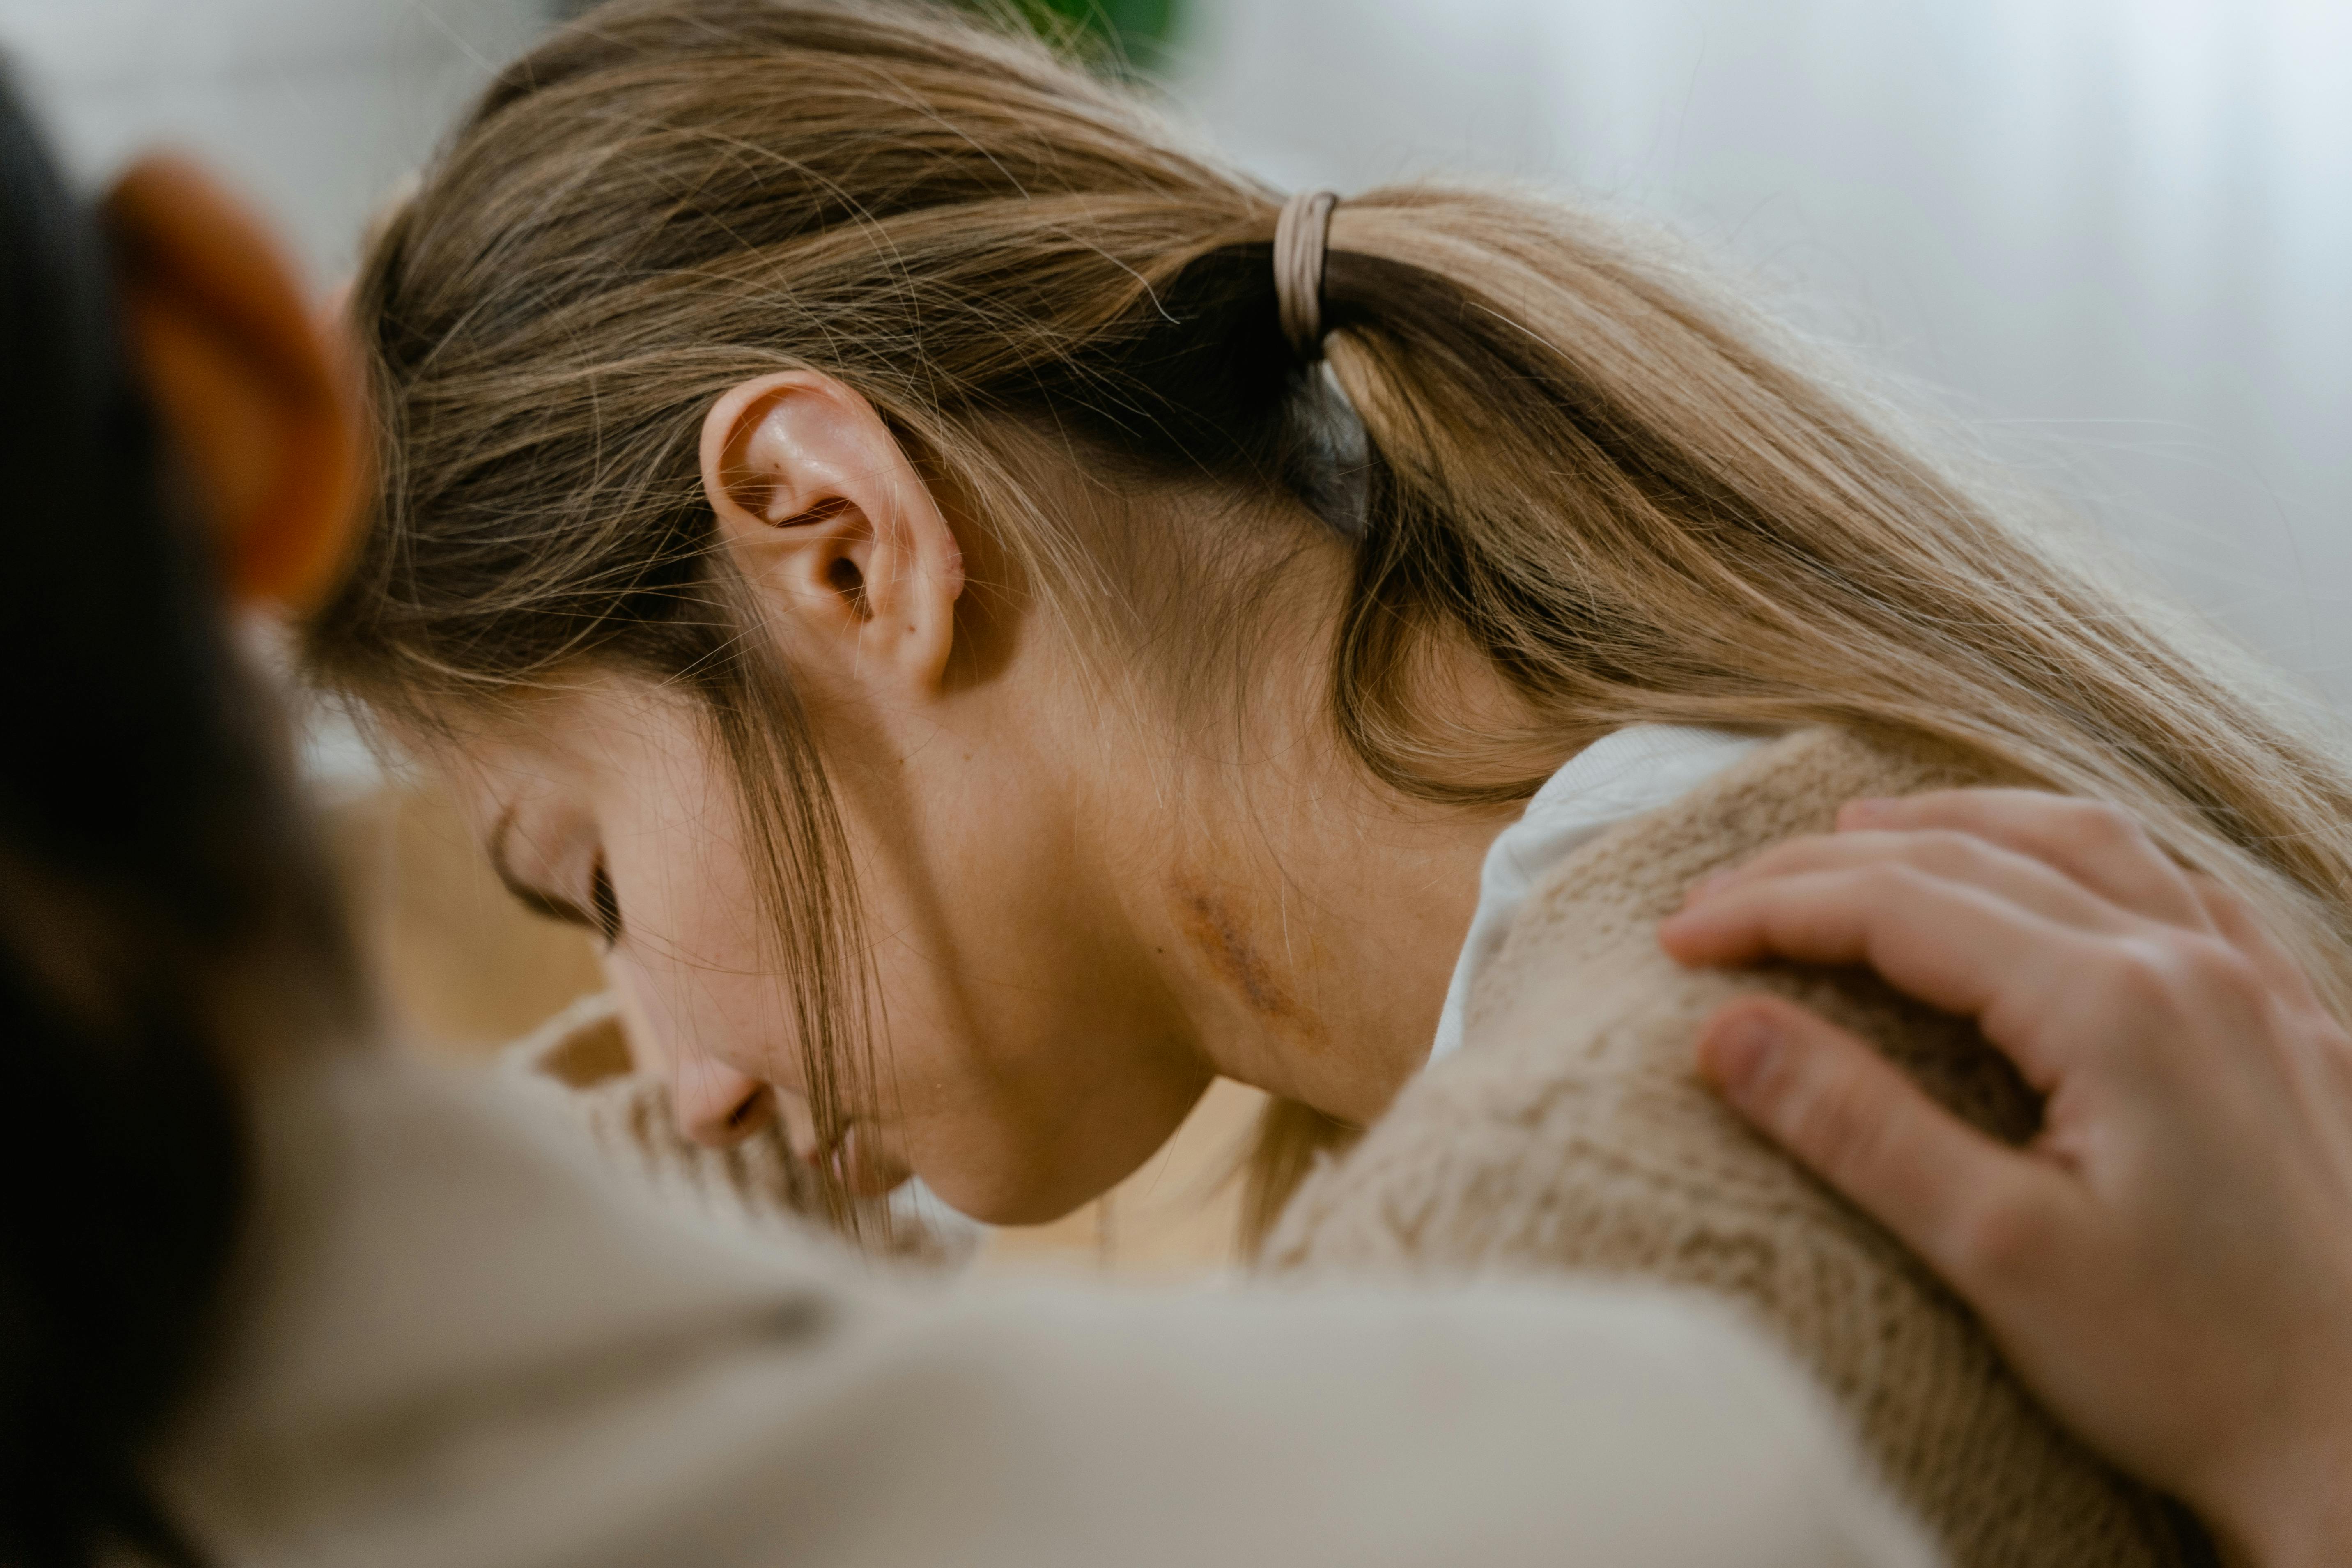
x,y
1619,776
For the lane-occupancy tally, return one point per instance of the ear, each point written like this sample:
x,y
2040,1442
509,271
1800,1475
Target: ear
x,y
258,404
827,520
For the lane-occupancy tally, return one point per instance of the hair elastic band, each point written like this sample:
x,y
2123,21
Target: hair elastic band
x,y
1300,236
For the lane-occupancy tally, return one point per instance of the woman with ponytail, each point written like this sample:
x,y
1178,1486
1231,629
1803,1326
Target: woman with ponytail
x,y
996,620
268,1296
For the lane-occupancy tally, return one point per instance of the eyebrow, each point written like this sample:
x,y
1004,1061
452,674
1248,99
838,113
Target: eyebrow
x,y
529,897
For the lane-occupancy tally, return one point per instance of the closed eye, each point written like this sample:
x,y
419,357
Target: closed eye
x,y
604,914
603,903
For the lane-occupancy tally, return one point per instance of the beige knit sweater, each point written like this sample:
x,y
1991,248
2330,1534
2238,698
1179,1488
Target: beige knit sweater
x,y
1572,1132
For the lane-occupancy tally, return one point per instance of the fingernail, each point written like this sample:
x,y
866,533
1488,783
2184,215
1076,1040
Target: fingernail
x,y
1735,1050
1863,812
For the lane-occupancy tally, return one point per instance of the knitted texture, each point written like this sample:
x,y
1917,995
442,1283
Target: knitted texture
x,y
578,1065
1572,1131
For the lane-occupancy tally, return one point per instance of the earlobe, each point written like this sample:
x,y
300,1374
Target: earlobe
x,y
826,518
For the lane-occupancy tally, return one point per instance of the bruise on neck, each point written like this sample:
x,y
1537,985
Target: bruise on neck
x,y
1219,931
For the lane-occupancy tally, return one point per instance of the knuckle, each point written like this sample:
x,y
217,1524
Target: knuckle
x,y
2170,978
2001,1241
2221,902
2222,992
1892,881
2096,825
2134,974
2098,817
2229,913
1947,852
2202,964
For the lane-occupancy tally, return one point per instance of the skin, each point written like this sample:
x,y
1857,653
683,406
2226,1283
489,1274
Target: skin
x,y
2168,1264
1078,912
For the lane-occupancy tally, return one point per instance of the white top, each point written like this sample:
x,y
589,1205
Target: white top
x,y
1619,776
456,1348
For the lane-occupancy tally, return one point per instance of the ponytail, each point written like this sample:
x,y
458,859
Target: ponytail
x,y
1642,506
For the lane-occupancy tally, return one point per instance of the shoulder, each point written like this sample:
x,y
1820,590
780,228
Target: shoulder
x,y
1572,1132
1635,875
1576,1050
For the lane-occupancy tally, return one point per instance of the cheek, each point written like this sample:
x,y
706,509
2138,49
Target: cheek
x,y
691,965
700,965
1009,1151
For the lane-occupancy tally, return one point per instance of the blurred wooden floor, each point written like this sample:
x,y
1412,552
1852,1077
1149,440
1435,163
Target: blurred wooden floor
x,y
462,970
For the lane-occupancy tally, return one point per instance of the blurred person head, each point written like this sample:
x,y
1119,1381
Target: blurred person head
x,y
853,519
172,428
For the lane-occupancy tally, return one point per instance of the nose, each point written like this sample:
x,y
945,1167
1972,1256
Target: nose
x,y
718,1105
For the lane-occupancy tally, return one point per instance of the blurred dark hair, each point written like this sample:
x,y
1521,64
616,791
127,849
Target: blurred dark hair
x,y
157,902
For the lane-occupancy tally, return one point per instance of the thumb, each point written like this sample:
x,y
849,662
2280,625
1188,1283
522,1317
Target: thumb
x,y
1851,1117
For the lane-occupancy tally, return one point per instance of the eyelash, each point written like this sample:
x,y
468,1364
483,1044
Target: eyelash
x,y
603,904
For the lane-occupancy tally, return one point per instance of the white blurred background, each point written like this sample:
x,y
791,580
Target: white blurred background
x,y
2116,232
315,106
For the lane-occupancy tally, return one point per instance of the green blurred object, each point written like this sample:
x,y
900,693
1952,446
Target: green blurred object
x,y
1136,30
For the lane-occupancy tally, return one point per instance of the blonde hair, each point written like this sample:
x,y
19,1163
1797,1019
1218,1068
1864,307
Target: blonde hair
x,y
1556,447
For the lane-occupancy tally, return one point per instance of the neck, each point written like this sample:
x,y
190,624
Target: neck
x,y
1297,920
1302,921
1310,954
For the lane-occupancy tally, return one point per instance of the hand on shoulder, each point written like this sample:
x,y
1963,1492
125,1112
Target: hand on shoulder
x,y
2168,1263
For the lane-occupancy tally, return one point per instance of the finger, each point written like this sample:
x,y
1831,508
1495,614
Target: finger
x,y
2096,845
1937,852
2235,920
1949,944
1852,1118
